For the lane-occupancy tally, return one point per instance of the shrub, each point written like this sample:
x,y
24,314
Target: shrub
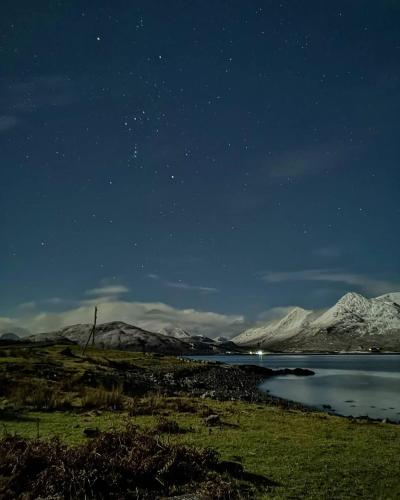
x,y
116,465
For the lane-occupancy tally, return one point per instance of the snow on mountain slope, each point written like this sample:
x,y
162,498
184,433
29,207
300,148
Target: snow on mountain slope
x,y
253,336
118,335
390,297
294,320
177,333
354,322
288,326
367,315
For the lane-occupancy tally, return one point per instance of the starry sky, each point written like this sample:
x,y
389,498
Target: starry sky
x,y
227,158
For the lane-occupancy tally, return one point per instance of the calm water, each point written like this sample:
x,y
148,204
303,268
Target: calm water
x,y
351,384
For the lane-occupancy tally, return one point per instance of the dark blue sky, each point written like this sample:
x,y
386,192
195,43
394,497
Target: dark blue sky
x,y
221,156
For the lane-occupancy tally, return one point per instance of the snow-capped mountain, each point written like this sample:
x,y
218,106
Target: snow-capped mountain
x,y
286,327
120,335
368,316
177,333
353,323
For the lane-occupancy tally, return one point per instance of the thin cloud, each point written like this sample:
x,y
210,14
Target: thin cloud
x,y
55,300
6,323
106,291
147,315
185,286
27,305
181,285
306,162
365,283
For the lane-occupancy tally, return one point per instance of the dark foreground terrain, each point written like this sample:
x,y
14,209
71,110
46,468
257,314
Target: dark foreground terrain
x,y
114,424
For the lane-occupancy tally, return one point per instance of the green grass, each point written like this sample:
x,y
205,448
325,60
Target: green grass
x,y
31,356
59,376
307,455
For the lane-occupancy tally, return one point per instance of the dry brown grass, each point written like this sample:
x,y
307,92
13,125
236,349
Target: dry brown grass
x,y
126,464
156,404
38,395
101,398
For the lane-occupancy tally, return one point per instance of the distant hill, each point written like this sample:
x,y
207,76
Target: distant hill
x,y
222,339
177,333
15,330
9,336
354,323
120,335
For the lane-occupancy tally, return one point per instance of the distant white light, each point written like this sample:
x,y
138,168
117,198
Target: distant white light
x,y
260,353
98,38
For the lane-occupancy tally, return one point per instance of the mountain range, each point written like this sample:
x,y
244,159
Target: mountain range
x,y
354,323
120,335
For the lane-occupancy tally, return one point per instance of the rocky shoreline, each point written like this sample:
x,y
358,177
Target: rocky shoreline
x,y
207,379
234,383
224,382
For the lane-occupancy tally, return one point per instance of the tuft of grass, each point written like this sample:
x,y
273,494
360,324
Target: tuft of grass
x,y
100,398
154,404
38,395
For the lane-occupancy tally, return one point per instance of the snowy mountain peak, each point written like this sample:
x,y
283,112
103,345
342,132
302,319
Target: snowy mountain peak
x,y
376,315
346,325
293,319
274,330
352,299
349,305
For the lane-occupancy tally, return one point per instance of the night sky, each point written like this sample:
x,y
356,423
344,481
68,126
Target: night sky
x,y
166,159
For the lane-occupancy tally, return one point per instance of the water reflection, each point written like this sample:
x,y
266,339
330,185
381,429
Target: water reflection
x,y
348,384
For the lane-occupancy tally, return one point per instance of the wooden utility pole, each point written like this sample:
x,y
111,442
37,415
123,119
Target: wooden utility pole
x,y
92,331
94,324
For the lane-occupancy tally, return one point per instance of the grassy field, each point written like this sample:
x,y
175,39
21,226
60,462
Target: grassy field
x,y
306,455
